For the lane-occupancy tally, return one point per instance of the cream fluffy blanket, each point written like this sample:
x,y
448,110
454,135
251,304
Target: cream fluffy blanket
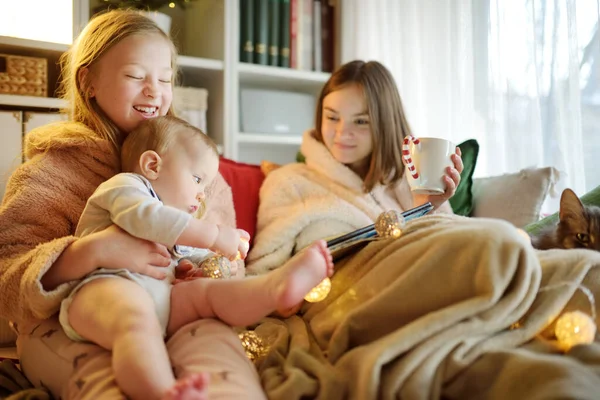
x,y
403,321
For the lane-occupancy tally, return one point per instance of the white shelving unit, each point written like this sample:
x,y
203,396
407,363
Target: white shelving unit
x,y
208,36
31,102
245,137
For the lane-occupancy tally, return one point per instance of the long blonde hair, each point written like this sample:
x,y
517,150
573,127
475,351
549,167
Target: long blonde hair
x,y
102,33
387,119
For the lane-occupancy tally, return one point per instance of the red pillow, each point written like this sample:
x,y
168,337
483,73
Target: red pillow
x,y
245,181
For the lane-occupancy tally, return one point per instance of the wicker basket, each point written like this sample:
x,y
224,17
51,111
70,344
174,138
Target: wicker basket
x,y
26,76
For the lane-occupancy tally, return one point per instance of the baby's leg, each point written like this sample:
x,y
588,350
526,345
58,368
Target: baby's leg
x,y
241,302
119,315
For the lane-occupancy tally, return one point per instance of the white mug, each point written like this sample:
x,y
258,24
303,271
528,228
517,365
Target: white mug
x,y
426,160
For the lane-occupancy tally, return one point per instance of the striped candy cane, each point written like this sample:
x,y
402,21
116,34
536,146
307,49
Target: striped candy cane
x,y
406,155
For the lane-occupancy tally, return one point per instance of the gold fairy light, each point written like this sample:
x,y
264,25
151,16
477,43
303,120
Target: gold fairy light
x,y
389,224
319,292
573,328
216,267
253,345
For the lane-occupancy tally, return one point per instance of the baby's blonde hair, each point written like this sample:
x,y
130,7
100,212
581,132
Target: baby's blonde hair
x,y
158,134
101,33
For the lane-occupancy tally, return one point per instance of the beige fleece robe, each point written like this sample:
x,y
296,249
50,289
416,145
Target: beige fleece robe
x,y
43,202
300,203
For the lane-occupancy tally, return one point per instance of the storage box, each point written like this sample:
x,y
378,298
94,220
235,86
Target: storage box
x,y
26,76
190,104
275,111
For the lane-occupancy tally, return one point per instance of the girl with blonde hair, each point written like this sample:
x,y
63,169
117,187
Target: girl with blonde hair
x,y
119,72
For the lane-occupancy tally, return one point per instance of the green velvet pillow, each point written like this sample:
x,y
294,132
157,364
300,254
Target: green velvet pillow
x,y
462,201
591,198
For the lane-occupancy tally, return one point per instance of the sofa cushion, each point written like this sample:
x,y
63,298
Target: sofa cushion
x,y
591,198
245,181
516,197
462,201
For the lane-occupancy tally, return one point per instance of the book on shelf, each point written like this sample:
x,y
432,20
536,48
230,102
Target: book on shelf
x,y
288,33
261,31
351,242
317,36
274,28
247,31
284,34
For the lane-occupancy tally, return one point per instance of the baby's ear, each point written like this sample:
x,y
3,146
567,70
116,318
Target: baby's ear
x,y
150,164
570,206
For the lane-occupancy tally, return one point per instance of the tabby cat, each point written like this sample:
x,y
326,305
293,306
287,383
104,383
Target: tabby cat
x,y
578,226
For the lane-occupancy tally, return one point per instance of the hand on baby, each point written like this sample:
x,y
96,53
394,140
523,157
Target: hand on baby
x,y
452,179
231,243
116,249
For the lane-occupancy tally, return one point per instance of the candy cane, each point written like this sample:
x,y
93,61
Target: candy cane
x,y
406,155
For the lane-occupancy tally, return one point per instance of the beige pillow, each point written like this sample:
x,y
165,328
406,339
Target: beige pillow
x,y
516,197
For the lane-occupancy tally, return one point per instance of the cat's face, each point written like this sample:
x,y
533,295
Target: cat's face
x,y
579,226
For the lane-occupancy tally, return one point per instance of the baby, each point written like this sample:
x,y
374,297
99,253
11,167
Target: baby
x,y
168,164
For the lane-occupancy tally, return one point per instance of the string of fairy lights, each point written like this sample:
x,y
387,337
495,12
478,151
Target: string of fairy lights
x,y
572,328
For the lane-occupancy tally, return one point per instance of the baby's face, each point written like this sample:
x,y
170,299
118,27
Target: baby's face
x,y
187,170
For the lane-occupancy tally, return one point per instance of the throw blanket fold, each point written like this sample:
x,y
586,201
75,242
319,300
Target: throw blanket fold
x,y
403,321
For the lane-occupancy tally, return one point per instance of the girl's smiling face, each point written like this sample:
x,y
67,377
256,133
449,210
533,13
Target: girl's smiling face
x,y
132,80
345,128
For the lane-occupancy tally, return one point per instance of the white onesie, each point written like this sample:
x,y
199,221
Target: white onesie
x,y
129,201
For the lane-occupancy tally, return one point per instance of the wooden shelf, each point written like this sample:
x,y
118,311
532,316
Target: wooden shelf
x,y
18,45
9,43
200,72
32,101
199,63
282,78
268,138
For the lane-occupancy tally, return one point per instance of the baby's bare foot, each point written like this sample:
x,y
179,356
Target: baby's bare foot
x,y
193,387
303,272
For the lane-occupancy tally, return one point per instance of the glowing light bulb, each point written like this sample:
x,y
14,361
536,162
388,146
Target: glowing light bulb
x,y
319,292
573,328
216,267
389,224
171,5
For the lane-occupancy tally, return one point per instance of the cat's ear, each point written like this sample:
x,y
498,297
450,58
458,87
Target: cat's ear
x,y
570,206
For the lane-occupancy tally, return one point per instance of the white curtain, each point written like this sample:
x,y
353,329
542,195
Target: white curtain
x,y
520,76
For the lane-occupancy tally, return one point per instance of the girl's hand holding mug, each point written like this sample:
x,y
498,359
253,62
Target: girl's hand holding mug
x,y
433,169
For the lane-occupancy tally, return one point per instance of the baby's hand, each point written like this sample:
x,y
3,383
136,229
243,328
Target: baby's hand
x,y
238,269
244,245
229,242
